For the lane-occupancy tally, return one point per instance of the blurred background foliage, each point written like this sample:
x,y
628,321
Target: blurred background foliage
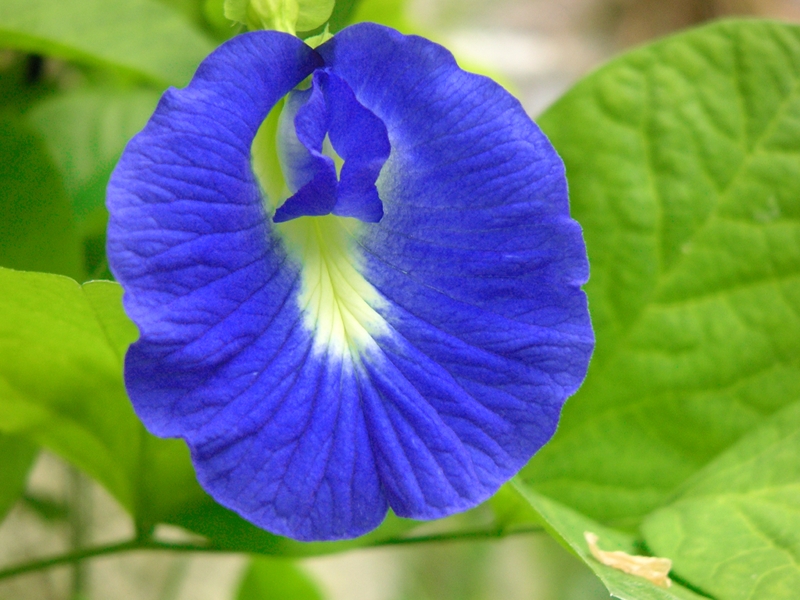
x,y
76,82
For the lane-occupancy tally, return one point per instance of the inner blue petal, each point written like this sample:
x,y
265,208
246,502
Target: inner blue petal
x,y
298,163
309,173
329,109
360,138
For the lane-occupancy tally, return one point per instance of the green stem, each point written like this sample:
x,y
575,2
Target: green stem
x,y
150,544
79,555
456,536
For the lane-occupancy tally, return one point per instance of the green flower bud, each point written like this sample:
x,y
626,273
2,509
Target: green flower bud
x,y
290,16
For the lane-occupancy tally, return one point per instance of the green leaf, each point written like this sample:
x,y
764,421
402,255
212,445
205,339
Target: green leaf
x,y
85,131
385,12
683,159
568,527
734,529
141,37
60,375
17,457
61,352
214,13
511,509
24,80
48,508
275,579
342,13
36,227
192,10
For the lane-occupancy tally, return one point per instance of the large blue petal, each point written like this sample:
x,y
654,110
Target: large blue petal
x,y
480,266
323,367
224,359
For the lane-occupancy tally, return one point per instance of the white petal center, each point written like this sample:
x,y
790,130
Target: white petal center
x,y
337,302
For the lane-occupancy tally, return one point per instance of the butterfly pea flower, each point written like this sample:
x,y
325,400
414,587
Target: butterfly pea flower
x,y
399,330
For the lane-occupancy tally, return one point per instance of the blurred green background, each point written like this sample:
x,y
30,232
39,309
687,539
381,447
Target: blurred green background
x,y
538,49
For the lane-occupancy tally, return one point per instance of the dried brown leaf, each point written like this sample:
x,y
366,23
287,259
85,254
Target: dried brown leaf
x,y
652,568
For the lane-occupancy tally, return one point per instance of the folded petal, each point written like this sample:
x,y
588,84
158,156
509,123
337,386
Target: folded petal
x,y
360,138
304,124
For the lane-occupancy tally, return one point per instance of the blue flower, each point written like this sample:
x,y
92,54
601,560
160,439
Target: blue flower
x,y
401,332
